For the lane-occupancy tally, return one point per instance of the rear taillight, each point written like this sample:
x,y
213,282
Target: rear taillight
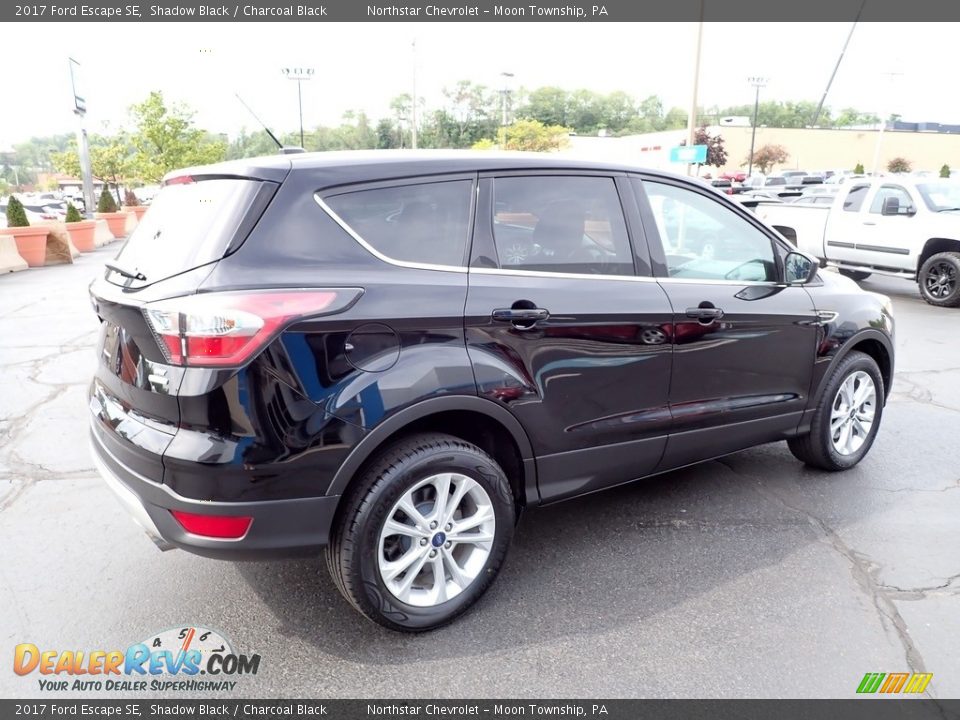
x,y
227,329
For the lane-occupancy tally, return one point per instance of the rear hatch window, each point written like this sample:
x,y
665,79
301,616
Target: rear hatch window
x,y
190,224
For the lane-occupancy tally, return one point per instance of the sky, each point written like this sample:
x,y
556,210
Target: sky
x,y
361,66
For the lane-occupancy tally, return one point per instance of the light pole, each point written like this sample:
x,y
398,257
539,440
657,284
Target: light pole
x,y
83,146
692,117
504,93
299,74
757,82
413,104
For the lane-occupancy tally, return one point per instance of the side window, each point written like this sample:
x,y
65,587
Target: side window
x,y
855,198
427,223
901,199
703,239
560,224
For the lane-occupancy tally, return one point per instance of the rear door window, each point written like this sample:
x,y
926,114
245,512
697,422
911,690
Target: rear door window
x,y
561,224
188,225
855,198
425,223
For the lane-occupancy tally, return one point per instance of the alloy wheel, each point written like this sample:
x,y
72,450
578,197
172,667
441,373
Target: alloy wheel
x,y
941,280
853,412
436,539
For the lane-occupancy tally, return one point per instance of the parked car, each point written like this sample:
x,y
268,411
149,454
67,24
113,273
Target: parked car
x,y
389,355
900,226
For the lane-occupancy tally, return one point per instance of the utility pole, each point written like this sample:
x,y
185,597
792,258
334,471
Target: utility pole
x,y
504,94
83,146
413,105
692,118
816,115
757,82
299,74
890,75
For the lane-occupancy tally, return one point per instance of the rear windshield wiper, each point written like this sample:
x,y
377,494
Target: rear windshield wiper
x,y
133,275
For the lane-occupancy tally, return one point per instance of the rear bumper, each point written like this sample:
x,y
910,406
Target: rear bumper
x,y
280,528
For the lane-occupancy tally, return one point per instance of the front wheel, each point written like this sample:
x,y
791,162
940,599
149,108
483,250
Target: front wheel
x,y
939,279
423,534
846,419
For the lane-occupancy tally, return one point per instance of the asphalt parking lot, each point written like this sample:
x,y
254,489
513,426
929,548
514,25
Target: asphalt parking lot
x,y
750,576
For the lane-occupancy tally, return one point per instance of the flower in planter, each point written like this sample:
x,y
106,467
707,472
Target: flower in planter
x,y
16,215
106,204
73,215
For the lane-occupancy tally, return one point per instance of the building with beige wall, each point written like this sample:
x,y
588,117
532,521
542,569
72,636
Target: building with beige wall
x,y
809,148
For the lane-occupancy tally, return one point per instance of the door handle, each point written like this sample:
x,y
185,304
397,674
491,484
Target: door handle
x,y
521,318
705,314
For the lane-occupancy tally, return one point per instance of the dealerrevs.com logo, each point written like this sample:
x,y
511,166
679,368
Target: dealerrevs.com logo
x,y
185,659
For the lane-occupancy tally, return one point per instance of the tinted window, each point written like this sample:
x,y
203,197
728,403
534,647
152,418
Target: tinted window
x,y
187,225
890,191
855,198
560,224
703,239
427,223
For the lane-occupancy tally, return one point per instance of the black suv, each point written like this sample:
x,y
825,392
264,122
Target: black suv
x,y
391,354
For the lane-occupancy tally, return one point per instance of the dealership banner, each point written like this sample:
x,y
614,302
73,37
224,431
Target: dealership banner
x,y
478,11
433,709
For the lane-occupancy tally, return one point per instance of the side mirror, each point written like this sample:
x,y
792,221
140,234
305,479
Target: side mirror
x,y
799,269
892,206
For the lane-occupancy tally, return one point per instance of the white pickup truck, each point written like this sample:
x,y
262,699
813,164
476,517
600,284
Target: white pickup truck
x,y
900,226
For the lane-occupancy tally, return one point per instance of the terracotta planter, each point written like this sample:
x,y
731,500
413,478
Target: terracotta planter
x,y
117,222
81,234
31,243
137,210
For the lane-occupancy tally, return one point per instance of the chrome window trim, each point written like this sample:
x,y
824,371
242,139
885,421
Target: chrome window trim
x,y
376,253
567,276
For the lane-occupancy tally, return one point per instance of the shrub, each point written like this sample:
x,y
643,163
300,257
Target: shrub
x,y
945,171
898,165
16,215
106,204
73,215
858,170
130,198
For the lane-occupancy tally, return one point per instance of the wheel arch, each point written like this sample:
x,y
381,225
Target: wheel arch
x,y
473,419
870,342
937,245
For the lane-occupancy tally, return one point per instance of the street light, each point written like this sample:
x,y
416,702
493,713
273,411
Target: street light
x,y
757,82
504,93
299,74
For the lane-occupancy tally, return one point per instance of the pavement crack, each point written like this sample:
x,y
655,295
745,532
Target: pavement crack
x,y
864,572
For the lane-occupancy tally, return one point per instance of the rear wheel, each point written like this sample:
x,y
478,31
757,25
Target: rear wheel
x,y
846,419
423,534
857,275
939,279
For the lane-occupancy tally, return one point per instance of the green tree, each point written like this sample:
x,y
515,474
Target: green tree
x,y
945,171
111,160
16,215
766,156
166,139
527,135
548,105
899,165
852,116
858,170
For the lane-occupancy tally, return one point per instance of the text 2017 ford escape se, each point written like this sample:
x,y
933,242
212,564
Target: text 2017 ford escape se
x,y
390,355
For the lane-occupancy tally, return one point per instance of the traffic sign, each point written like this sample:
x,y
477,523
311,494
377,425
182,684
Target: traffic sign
x,y
690,154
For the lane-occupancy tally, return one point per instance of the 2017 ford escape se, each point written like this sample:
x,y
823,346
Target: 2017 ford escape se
x,y
389,355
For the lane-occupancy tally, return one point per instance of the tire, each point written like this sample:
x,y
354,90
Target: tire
x,y
824,446
939,279
362,552
857,275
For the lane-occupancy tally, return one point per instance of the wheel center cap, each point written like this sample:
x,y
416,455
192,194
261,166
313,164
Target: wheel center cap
x,y
439,539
